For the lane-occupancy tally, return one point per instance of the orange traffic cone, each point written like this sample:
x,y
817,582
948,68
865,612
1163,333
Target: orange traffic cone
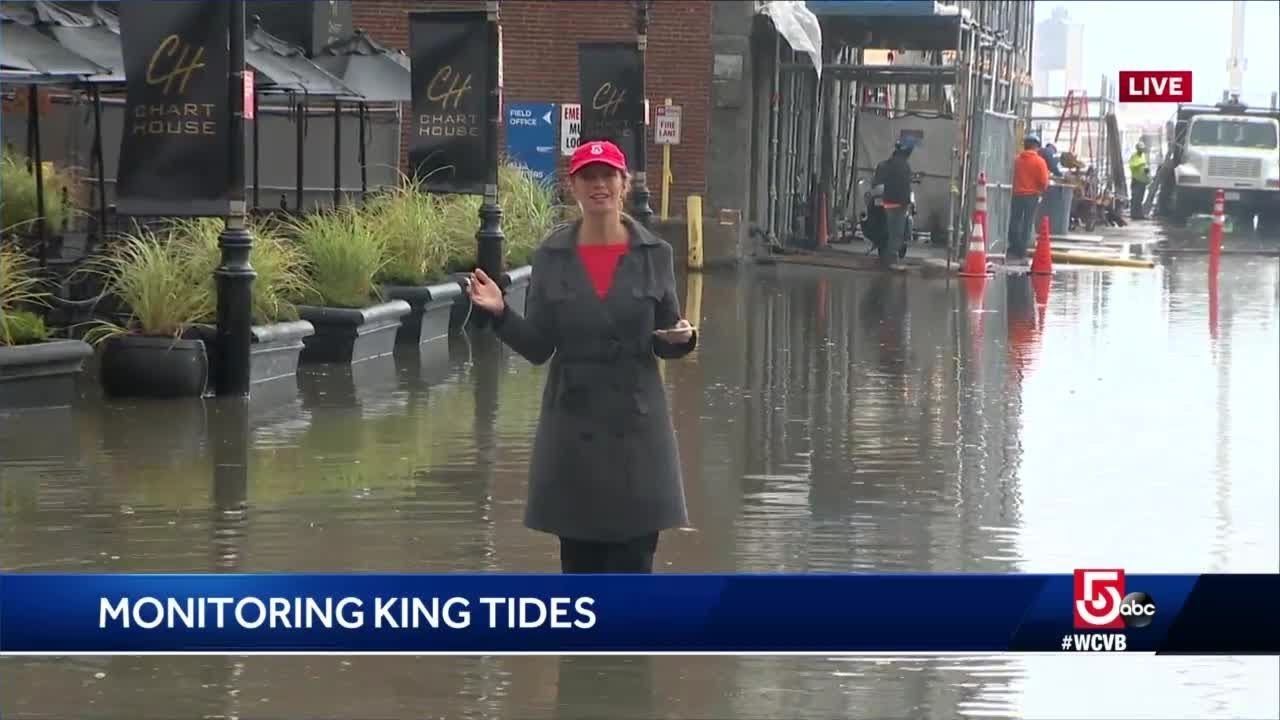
x,y
980,204
975,258
1042,261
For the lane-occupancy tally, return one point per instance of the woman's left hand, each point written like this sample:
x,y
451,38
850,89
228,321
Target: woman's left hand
x,y
679,335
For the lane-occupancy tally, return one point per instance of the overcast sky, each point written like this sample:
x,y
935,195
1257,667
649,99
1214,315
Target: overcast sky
x,y
1196,36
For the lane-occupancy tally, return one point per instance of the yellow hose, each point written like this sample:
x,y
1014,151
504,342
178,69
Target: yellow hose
x,y
1074,258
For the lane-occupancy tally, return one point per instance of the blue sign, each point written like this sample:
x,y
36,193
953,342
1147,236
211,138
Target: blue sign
x,y
531,138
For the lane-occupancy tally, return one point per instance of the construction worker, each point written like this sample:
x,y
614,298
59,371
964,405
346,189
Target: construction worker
x,y
1050,155
1139,179
1030,180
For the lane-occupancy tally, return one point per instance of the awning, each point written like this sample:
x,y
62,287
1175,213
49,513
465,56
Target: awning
x,y
376,72
282,66
24,48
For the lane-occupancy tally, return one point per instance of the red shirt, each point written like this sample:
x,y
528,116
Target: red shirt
x,y
601,261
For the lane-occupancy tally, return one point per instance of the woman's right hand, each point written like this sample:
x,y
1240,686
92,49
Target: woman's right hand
x,y
485,293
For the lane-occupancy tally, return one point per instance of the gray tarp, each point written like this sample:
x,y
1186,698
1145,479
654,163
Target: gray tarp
x,y
285,67
377,73
27,49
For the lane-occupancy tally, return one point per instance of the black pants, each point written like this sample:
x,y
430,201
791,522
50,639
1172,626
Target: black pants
x,y
589,556
1137,191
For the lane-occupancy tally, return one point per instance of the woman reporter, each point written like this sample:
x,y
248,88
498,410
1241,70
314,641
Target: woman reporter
x,y
601,306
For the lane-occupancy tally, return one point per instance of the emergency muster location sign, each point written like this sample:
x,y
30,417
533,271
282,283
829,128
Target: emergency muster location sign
x,y
667,125
570,127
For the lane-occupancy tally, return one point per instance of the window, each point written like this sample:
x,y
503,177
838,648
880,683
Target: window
x,y
1233,133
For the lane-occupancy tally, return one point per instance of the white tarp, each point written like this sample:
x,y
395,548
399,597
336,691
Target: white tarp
x,y
798,26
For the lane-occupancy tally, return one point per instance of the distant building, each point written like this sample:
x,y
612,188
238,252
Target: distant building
x,y
1058,61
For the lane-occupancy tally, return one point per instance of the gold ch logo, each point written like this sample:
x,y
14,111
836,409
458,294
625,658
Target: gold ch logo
x,y
188,60
608,99
446,85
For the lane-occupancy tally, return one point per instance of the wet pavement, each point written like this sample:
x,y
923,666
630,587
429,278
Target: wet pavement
x,y
830,421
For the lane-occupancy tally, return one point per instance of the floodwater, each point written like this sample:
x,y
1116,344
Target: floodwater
x,y
829,421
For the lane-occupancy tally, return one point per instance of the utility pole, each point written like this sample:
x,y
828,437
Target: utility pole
x,y
640,188
490,237
235,275
1236,64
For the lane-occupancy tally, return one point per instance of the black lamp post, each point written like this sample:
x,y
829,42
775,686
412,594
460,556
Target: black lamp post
x,y
640,209
235,275
489,238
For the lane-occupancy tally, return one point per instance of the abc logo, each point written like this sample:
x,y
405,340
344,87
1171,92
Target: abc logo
x,y
1137,609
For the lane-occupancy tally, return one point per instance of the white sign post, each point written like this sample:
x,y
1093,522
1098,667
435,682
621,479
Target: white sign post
x,y
570,127
667,125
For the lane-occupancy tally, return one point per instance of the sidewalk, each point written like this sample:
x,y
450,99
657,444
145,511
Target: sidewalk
x,y
1137,241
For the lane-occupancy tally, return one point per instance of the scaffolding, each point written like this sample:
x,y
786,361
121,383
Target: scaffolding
x,y
951,73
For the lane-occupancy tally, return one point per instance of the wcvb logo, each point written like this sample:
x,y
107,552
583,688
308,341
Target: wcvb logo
x,y
1155,86
1101,603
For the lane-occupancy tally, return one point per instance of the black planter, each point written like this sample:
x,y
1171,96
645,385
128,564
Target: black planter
x,y
350,335
41,374
273,353
430,308
147,366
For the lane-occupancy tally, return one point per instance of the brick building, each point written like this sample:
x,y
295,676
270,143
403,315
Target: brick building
x,y
540,64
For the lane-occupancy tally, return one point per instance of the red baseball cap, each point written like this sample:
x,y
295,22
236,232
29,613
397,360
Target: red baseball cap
x,y
597,151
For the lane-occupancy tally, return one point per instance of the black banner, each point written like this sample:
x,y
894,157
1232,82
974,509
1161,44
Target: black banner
x,y
610,80
175,153
451,55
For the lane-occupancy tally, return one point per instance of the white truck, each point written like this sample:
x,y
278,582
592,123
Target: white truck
x,y
1229,147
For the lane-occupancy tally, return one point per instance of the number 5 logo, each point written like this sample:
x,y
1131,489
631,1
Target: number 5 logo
x,y
1098,594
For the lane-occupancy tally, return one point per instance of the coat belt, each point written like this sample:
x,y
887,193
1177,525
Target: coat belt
x,y
604,350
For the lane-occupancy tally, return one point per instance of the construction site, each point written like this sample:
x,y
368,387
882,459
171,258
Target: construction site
x,y
953,77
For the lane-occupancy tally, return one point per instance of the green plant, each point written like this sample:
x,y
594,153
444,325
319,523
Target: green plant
x,y
409,220
18,207
459,221
19,286
280,266
22,327
159,283
344,254
528,212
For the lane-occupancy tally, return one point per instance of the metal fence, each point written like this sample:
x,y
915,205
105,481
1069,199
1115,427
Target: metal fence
x,y
996,142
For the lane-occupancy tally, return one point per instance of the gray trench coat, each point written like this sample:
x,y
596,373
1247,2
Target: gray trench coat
x,y
604,463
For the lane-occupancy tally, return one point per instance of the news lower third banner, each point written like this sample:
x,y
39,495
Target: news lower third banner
x,y
1094,610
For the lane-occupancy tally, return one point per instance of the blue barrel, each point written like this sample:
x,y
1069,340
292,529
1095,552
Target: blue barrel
x,y
1057,206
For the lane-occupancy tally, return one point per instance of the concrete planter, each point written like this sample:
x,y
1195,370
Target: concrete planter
x,y
274,351
515,284
149,366
517,287
41,374
430,309
351,335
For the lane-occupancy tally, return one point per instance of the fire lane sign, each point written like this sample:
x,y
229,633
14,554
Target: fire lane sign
x,y
667,125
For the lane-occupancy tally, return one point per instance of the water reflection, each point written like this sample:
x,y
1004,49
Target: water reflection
x,y
828,422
